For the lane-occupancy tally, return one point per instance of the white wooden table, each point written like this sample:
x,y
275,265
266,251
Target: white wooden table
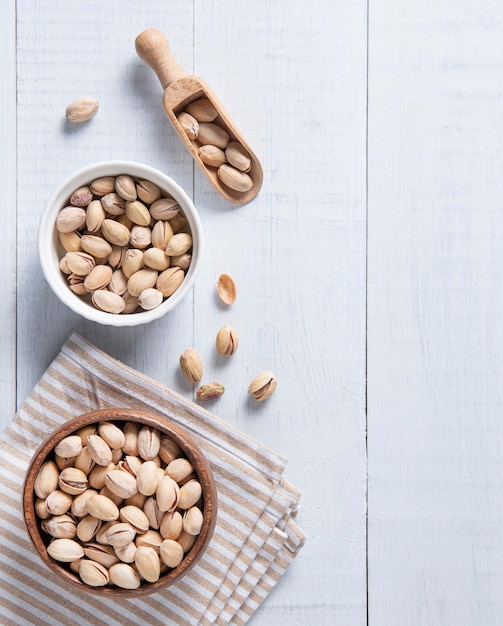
x,y
370,267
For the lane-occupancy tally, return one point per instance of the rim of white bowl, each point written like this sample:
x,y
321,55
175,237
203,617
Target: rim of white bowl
x,y
48,240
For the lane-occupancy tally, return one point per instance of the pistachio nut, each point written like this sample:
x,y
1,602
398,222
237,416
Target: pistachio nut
x,y
149,442
126,553
98,278
79,508
227,341
147,563
147,478
96,246
156,258
189,124
60,527
125,187
105,491
211,155
81,109
69,446
238,156
124,576
135,517
182,260
73,481
83,461
120,534
70,241
186,541
102,186
141,237
202,109
93,573
70,218
115,232
179,469
122,484
178,223
65,550
108,301
62,461
102,508
210,391
99,450
41,508
150,299
81,197
47,479
169,280
191,365
164,209
169,449
130,446
103,554
141,280
113,204
192,520
226,289
116,257
179,244
234,178
153,513
87,528
161,234
147,192
171,525
151,538
97,475
80,263
118,282
167,494
131,303
137,500
190,493
213,134
138,213
131,464
111,434
263,386
76,284
171,552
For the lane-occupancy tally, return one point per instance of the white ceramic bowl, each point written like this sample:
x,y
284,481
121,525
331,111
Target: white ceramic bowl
x,y
50,250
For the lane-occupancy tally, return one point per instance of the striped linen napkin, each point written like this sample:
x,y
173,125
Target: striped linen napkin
x,y
255,537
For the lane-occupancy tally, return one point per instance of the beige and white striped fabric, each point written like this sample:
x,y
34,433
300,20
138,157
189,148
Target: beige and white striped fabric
x,y
255,537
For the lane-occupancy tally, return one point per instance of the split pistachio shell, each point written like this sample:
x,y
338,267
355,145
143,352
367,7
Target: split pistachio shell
x,y
263,386
191,365
73,481
138,213
118,282
190,493
113,204
70,241
60,527
126,553
171,525
80,263
98,473
103,554
141,280
125,187
179,244
227,341
169,449
99,450
98,278
189,124
149,442
84,461
79,507
120,534
192,520
133,262
179,469
111,434
150,299
226,288
164,209
135,517
167,494
147,192
147,478
153,513
122,484
182,261
169,280
96,246
87,527
115,232
81,197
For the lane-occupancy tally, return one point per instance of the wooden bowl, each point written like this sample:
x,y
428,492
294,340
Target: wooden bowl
x,y
201,467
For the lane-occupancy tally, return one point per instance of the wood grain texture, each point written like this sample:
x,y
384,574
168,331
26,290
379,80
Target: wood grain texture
x,y
8,178
297,252
434,327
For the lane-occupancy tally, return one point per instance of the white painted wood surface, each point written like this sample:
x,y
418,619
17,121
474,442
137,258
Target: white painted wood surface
x,y
368,268
297,252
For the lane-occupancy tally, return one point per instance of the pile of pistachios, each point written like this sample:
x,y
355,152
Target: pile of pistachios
x,y
127,246
120,503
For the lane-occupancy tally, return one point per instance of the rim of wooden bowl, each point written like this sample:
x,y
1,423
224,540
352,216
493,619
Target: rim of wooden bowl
x,y
193,453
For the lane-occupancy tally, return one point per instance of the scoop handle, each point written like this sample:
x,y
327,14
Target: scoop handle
x,y
153,48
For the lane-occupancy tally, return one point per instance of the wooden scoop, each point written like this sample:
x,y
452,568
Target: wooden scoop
x,y
179,90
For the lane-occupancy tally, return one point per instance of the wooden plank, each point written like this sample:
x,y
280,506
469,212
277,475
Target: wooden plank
x,y
8,248
293,77
434,319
